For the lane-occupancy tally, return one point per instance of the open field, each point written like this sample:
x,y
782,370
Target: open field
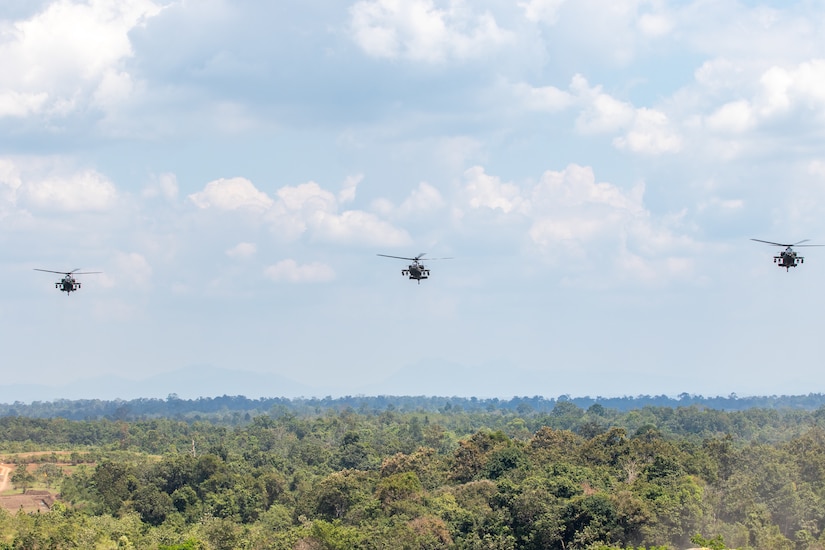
x,y
36,498
33,500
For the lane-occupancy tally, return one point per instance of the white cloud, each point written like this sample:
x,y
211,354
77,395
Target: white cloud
x,y
725,205
773,94
68,54
570,217
420,31
242,251
484,191
164,185
735,117
720,74
602,113
581,222
80,192
347,193
309,208
10,174
801,87
424,198
571,207
290,271
307,197
545,98
545,11
21,104
114,88
357,226
654,25
649,133
231,194
306,208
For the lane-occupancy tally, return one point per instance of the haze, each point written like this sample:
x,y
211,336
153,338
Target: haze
x,y
595,169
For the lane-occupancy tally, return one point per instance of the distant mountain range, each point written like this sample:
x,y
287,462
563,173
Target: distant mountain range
x,y
427,378
422,378
188,383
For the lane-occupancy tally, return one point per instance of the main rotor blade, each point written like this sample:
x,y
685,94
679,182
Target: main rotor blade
x,y
775,244
72,272
397,257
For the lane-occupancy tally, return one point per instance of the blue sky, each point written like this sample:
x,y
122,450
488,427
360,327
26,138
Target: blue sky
x,y
595,170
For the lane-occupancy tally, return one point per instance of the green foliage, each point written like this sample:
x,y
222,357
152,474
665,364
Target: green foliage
x,y
21,478
715,543
474,475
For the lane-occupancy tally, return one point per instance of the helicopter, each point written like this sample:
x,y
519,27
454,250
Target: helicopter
x,y
416,270
68,283
788,257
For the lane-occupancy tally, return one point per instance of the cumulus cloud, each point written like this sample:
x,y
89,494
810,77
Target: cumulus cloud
x,y
10,175
545,11
231,194
347,193
419,30
544,98
485,191
602,113
21,104
733,117
424,198
289,271
309,208
569,214
654,25
650,132
164,185
68,54
776,93
307,197
579,219
242,251
86,191
643,130
302,209
358,226
571,206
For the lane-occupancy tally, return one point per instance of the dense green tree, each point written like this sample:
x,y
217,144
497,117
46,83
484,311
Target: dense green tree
x,y
21,477
49,473
526,473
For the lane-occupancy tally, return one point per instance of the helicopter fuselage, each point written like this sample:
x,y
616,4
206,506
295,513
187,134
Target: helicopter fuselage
x,y
67,285
416,271
788,259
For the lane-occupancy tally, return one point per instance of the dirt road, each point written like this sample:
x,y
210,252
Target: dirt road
x,y
5,473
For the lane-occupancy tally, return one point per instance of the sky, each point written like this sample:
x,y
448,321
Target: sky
x,y
593,169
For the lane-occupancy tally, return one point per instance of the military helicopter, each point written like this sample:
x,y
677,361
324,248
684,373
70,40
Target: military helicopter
x,y
416,270
68,283
788,257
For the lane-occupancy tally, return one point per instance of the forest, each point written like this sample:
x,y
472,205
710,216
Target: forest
x,y
419,473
